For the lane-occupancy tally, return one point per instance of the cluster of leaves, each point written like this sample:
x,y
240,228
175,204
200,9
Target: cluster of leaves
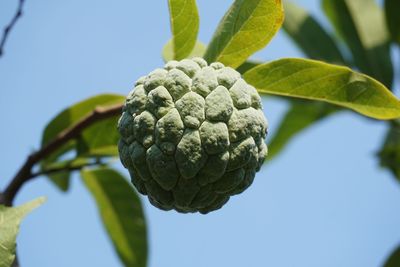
x,y
247,27
364,35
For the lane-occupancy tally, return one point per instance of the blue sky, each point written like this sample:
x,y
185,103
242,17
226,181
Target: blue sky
x,y
323,202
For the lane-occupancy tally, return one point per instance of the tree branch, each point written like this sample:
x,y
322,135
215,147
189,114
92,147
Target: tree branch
x,y
10,26
25,172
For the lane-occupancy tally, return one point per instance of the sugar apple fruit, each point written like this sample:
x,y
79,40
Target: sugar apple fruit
x,y
192,135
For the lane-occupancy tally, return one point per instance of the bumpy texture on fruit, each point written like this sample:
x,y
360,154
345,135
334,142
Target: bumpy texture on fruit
x,y
192,135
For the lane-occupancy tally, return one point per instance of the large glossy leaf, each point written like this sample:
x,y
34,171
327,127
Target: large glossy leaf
x,y
300,115
10,219
100,139
197,51
310,36
97,139
316,80
392,8
184,19
361,24
76,112
316,43
394,259
121,212
246,28
390,152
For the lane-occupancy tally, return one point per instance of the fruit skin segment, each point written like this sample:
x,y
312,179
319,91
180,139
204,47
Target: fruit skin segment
x,y
192,135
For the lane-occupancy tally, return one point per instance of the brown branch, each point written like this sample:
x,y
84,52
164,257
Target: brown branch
x,y
10,26
25,172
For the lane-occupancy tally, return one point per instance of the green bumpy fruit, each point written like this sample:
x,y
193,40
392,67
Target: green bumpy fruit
x,y
192,135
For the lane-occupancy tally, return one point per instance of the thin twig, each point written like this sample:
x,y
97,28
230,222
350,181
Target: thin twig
x,y
25,172
10,26
64,168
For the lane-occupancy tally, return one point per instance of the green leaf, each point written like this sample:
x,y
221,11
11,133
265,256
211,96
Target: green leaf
x,y
58,179
61,180
246,28
315,80
394,259
184,19
96,139
247,65
62,177
361,24
10,219
392,8
197,51
316,43
121,212
301,115
100,139
310,36
390,152
76,112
